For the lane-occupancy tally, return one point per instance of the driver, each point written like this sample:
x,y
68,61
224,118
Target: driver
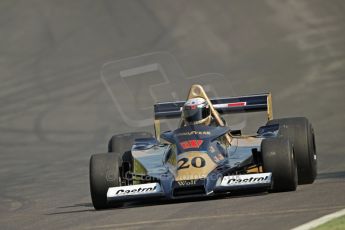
x,y
196,111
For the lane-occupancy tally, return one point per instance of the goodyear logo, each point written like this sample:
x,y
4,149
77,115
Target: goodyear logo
x,y
194,133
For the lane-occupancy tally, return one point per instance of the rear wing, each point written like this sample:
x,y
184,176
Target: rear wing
x,y
242,104
251,103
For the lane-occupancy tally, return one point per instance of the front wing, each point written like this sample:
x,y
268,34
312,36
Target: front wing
x,y
171,189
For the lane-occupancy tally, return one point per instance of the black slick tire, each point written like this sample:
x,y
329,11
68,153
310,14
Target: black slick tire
x,y
301,135
104,173
278,158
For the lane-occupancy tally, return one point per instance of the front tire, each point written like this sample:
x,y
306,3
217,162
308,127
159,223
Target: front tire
x,y
278,158
104,173
300,133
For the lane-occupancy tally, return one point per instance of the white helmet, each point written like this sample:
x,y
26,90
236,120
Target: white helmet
x,y
196,111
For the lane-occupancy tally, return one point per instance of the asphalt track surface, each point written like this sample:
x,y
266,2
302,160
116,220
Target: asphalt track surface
x,y
55,111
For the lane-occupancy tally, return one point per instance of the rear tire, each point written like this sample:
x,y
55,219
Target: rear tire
x,y
104,173
278,158
121,143
300,133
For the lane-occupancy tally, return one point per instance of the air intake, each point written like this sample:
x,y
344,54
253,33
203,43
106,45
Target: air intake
x,y
189,191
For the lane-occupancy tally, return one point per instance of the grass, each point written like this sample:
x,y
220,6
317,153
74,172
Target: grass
x,y
336,224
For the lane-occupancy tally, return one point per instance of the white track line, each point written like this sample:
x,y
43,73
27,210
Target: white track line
x,y
224,216
317,222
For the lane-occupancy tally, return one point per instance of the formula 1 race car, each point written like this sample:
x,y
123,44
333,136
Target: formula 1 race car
x,y
198,160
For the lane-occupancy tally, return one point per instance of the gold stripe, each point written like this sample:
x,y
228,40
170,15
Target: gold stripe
x,y
255,170
157,125
269,107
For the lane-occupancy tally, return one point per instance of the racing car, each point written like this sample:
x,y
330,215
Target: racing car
x,y
207,158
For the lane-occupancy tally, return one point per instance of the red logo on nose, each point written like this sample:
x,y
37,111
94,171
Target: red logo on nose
x,y
191,144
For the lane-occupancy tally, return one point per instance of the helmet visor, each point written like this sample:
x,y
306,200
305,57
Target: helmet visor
x,y
194,114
